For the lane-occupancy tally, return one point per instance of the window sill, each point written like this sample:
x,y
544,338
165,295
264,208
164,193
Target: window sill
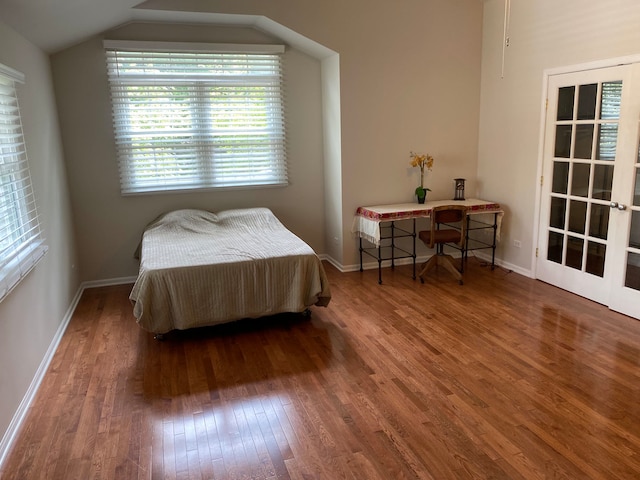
x,y
18,268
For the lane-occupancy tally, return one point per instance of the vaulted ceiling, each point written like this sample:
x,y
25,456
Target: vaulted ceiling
x,y
53,25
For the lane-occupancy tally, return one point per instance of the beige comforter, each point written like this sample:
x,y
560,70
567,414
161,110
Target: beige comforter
x,y
199,268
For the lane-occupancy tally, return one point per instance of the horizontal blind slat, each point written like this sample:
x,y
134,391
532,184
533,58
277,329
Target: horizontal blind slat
x,y
21,241
197,119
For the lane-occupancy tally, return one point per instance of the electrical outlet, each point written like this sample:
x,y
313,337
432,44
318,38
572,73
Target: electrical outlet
x,y
517,244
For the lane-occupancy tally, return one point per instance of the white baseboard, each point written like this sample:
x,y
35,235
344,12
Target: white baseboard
x,y
108,282
506,265
18,418
21,413
331,260
419,260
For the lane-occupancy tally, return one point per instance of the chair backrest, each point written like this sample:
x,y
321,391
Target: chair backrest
x,y
448,214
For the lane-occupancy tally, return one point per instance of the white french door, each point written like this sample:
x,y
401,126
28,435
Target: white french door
x,y
589,231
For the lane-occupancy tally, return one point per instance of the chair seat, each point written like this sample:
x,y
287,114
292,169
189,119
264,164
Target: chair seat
x,y
445,215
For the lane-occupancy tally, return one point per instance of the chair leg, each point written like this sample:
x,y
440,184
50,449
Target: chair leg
x,y
447,262
426,266
441,259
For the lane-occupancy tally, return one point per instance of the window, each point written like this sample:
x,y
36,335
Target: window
x,y
193,116
21,243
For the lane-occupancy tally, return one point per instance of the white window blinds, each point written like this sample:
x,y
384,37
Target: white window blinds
x,y
21,242
189,118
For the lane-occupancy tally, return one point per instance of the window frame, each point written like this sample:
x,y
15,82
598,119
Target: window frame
x,y
160,86
21,241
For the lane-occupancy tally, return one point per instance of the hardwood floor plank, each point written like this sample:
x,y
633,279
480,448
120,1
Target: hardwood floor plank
x,y
504,377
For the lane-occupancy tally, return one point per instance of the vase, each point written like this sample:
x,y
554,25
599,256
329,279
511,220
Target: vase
x,y
422,199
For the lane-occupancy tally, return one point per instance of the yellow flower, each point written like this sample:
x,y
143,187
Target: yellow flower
x,y
421,160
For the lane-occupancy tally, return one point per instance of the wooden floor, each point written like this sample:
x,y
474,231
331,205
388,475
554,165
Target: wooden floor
x,y
504,377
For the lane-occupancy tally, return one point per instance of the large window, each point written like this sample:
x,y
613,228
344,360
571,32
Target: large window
x,y
21,243
192,116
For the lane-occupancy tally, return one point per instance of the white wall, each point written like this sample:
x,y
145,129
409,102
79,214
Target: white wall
x,y
109,226
31,315
409,79
544,34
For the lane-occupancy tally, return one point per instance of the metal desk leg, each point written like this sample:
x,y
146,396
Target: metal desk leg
x,y
464,252
361,254
466,239
414,248
379,266
393,245
493,246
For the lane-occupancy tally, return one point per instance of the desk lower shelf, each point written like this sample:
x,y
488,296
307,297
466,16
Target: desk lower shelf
x,y
389,233
471,243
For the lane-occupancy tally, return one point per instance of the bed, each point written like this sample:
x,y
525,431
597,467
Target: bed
x,y
199,268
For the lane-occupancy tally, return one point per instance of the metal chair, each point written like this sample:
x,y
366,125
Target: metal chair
x,y
437,236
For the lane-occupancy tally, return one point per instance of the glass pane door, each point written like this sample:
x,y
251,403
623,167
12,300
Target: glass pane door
x,y
625,280
589,227
585,140
632,275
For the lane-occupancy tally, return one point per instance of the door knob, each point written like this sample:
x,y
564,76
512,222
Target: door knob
x,y
622,207
613,204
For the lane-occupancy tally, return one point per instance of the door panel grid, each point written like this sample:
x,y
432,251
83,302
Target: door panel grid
x,y
589,235
584,148
632,274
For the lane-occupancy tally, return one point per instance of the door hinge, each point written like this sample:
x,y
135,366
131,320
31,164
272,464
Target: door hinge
x,y
536,252
546,104
541,180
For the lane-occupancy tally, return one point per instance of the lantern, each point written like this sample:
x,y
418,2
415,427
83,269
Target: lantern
x,y
459,191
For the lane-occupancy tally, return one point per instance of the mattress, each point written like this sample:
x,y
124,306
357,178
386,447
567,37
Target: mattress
x,y
199,268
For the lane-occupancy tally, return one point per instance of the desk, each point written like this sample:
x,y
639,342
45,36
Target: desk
x,y
369,222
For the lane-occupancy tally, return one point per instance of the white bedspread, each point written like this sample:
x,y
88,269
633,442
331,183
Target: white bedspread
x,y
199,268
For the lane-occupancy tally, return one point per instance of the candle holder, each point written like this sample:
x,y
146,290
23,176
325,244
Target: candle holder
x,y
459,189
